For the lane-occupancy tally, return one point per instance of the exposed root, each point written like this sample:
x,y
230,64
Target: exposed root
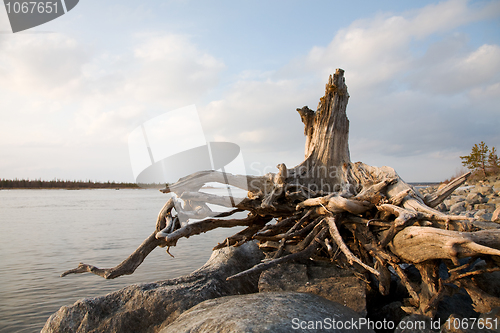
x,y
340,242
197,228
327,206
304,254
418,244
126,267
434,199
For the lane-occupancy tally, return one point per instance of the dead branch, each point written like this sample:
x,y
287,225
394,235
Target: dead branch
x,y
334,232
304,254
336,204
197,228
418,244
383,221
126,267
434,199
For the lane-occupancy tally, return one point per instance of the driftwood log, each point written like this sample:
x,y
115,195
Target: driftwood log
x,y
363,217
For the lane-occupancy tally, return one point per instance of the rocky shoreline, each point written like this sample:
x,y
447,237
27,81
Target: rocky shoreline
x,y
475,199
294,296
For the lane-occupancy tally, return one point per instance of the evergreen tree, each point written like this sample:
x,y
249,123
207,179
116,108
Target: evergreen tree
x,y
493,162
481,158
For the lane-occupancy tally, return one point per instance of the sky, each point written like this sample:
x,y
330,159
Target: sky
x,y
423,79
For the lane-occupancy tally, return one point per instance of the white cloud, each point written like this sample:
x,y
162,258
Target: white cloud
x,y
260,117
56,92
420,91
458,73
412,80
447,15
487,92
4,23
46,73
378,50
47,65
172,68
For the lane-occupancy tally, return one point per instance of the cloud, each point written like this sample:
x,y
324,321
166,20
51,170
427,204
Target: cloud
x,y
172,68
47,64
261,117
421,92
448,15
414,83
377,50
59,94
456,74
46,73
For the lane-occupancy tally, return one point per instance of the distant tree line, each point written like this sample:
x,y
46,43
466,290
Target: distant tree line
x,y
62,184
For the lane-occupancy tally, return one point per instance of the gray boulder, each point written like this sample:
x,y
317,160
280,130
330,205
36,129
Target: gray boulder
x,y
458,208
442,207
490,208
462,191
485,225
447,204
475,198
495,200
323,279
483,215
150,307
281,312
454,199
485,190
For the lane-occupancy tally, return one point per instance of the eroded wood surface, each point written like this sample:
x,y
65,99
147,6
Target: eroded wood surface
x,y
364,218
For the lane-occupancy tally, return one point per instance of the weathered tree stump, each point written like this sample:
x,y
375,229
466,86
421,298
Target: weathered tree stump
x,y
328,208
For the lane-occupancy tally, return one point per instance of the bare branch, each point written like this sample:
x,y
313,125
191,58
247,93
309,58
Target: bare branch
x,y
126,267
310,250
340,242
418,244
207,225
434,199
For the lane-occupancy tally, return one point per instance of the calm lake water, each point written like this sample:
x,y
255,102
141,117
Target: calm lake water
x,y
46,232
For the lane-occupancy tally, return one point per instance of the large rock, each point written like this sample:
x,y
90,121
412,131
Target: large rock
x,y
475,198
488,281
453,200
490,208
323,279
458,208
485,225
392,312
442,207
461,191
483,215
485,190
150,307
281,312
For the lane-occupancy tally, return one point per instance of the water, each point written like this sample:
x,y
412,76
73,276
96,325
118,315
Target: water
x,y
46,232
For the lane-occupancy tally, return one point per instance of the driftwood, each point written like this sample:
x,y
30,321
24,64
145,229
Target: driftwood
x,y
363,217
